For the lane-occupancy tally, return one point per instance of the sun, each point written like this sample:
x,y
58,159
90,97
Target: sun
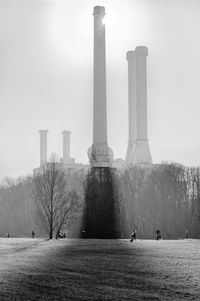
x,y
110,19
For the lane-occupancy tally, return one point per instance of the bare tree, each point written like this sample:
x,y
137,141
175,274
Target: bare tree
x,y
51,196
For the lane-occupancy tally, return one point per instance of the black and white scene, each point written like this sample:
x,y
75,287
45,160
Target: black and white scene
x,y
100,150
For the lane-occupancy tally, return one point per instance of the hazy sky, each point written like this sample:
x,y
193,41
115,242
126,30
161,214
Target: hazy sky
x,y
46,63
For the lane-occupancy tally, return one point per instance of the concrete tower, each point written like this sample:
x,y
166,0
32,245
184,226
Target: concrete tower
x,y
66,147
142,151
66,159
43,147
101,210
99,154
132,107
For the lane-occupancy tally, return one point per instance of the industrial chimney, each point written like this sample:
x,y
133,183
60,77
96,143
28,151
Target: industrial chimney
x,y
100,155
142,152
43,147
100,219
132,107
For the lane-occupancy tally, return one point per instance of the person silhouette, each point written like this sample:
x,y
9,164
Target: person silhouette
x,y
133,235
158,234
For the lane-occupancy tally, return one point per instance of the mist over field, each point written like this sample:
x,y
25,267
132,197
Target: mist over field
x,y
164,196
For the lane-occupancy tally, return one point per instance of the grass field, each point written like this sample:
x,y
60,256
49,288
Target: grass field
x,y
81,269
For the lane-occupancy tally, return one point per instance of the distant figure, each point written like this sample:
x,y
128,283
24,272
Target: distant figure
x,y
8,234
133,235
33,234
186,234
58,235
158,234
83,233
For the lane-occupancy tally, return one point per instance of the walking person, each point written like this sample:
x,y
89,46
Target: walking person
x,y
133,235
33,234
158,234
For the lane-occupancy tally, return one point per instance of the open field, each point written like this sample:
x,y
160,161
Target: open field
x,y
38,269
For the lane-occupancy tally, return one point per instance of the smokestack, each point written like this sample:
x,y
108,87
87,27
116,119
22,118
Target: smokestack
x,y
132,107
66,146
142,151
99,154
99,83
43,147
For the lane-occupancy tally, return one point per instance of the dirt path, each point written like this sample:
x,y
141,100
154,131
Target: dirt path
x,y
36,269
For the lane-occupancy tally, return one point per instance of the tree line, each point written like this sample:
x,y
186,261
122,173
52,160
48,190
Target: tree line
x,y
164,196
47,203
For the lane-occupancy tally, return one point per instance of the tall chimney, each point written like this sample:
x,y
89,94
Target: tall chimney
x,y
66,146
100,216
142,151
99,154
132,107
43,147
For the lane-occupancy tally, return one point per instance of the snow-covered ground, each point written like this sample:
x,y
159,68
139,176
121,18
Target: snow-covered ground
x,y
39,269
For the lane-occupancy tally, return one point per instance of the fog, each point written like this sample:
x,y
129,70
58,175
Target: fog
x,y
46,77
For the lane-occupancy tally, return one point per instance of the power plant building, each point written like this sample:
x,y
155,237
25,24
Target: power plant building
x,y
66,160
100,154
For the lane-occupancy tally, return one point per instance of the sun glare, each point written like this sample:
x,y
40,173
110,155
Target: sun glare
x,y
104,21
65,32
110,19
